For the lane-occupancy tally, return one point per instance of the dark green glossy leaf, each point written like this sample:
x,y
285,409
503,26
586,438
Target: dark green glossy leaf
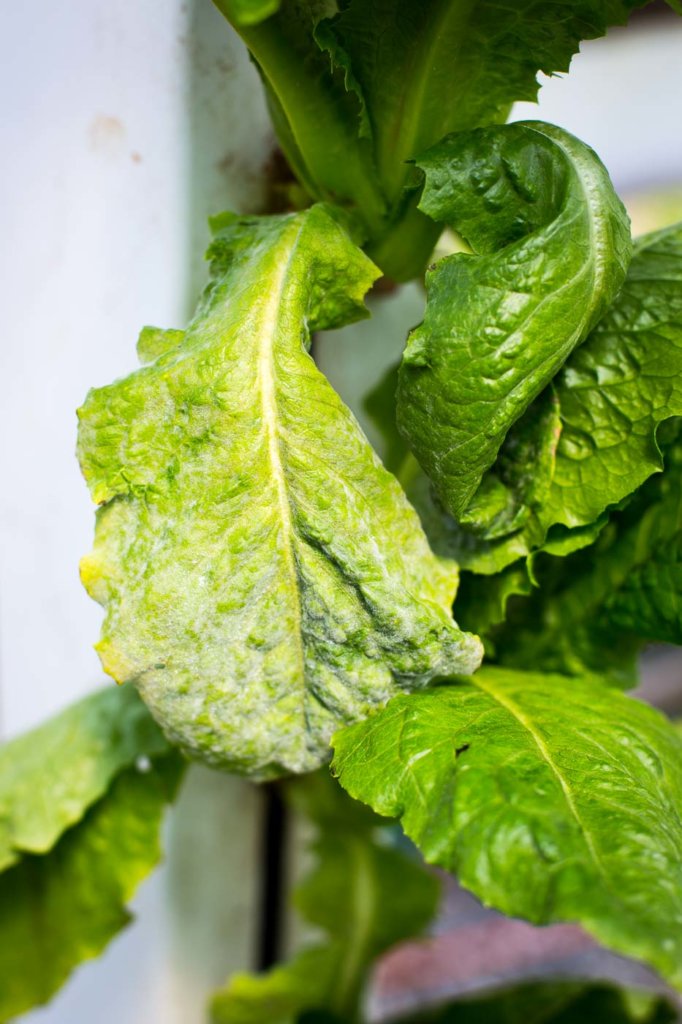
x,y
593,611
552,248
611,398
619,386
551,799
484,599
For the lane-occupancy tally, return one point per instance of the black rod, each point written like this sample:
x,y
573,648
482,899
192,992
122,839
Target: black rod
x,y
273,878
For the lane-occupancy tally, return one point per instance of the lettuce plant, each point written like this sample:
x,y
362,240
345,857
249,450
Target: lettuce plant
x,y
436,635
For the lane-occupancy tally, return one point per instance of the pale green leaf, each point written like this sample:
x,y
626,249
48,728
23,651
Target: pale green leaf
x,y
552,248
612,395
551,799
62,908
264,577
50,776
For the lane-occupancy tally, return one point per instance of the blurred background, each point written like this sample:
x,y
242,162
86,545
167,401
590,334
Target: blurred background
x,y
126,125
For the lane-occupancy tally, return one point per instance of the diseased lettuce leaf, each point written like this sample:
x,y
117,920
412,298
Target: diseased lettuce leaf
x,y
551,799
50,776
62,908
552,246
265,580
558,1002
351,896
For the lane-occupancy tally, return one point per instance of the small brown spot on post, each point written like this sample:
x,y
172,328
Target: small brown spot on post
x,y
106,135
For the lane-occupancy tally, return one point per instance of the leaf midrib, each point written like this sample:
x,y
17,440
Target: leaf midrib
x,y
513,709
596,225
399,142
268,331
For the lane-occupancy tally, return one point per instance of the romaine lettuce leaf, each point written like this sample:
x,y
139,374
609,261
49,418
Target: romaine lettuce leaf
x,y
553,246
317,111
264,577
50,776
551,799
610,398
359,88
618,387
62,908
81,802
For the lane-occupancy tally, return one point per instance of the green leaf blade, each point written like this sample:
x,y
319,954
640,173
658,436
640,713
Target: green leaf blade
x,y
247,12
613,397
594,610
553,243
59,910
265,578
50,776
551,800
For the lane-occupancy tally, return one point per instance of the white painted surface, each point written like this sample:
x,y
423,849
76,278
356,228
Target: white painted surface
x,y
623,97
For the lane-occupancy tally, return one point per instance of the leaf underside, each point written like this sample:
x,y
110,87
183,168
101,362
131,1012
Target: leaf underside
x,y
50,776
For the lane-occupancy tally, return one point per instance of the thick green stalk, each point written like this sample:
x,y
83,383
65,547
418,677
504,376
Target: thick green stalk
x,y
316,122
